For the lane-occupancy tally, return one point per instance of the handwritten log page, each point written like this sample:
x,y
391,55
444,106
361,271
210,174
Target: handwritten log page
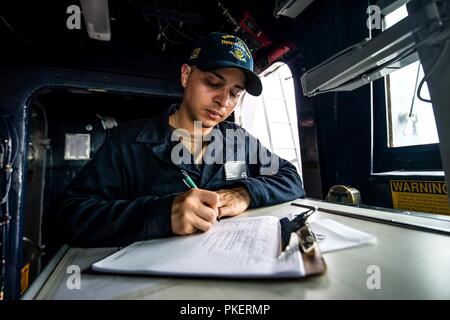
x,y
237,248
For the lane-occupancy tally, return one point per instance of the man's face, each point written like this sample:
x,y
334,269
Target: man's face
x,y
211,96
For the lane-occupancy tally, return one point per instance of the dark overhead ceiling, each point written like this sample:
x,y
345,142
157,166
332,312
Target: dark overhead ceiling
x,y
36,30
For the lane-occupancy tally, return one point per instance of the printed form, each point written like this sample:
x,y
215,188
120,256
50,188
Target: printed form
x,y
236,247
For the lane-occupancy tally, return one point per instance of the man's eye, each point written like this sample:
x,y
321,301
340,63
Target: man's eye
x,y
213,84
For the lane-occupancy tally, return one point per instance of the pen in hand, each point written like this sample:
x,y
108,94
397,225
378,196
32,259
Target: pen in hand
x,y
190,183
188,180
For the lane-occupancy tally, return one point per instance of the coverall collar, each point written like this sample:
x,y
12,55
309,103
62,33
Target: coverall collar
x,y
157,129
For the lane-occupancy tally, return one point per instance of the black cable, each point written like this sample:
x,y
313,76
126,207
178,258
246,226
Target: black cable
x,y
431,71
14,141
8,155
419,90
163,33
10,152
414,92
180,32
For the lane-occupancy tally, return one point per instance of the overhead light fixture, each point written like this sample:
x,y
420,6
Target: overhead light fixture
x,y
96,17
290,8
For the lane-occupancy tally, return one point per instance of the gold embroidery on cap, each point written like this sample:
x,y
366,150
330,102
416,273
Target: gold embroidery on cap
x,y
240,50
194,53
227,42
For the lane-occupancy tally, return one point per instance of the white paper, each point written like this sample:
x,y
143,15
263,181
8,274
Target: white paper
x,y
237,247
338,236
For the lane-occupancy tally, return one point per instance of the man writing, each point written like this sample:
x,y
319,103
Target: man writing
x,y
131,190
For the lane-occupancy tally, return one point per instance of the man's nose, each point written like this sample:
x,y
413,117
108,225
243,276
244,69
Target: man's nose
x,y
223,98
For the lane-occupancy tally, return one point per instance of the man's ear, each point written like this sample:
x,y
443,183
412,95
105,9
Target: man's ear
x,y
185,73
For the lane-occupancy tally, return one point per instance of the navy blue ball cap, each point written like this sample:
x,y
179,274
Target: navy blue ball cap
x,y
221,50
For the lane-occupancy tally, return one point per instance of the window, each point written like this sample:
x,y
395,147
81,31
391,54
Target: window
x,y
410,120
272,117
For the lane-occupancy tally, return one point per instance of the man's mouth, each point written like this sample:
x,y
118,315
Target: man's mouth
x,y
214,115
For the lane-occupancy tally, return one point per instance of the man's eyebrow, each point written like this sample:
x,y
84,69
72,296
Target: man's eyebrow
x,y
218,75
223,79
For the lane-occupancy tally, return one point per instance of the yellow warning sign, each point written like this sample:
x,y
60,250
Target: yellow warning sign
x,y
423,196
24,278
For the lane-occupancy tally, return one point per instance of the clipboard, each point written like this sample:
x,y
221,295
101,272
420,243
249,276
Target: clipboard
x,y
313,260
223,253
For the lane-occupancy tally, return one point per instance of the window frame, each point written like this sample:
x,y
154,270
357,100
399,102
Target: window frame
x,y
424,157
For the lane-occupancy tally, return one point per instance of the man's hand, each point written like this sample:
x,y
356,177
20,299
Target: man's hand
x,y
195,210
233,201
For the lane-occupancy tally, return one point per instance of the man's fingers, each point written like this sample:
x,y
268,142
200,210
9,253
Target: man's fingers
x,y
201,224
224,198
207,213
225,211
209,197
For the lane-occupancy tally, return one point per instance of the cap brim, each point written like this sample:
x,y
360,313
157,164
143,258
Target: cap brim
x,y
253,84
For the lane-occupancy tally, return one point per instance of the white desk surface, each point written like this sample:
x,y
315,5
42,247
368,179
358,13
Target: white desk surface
x,y
413,265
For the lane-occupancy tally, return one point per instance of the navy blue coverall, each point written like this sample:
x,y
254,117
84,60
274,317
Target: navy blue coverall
x,y
125,193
